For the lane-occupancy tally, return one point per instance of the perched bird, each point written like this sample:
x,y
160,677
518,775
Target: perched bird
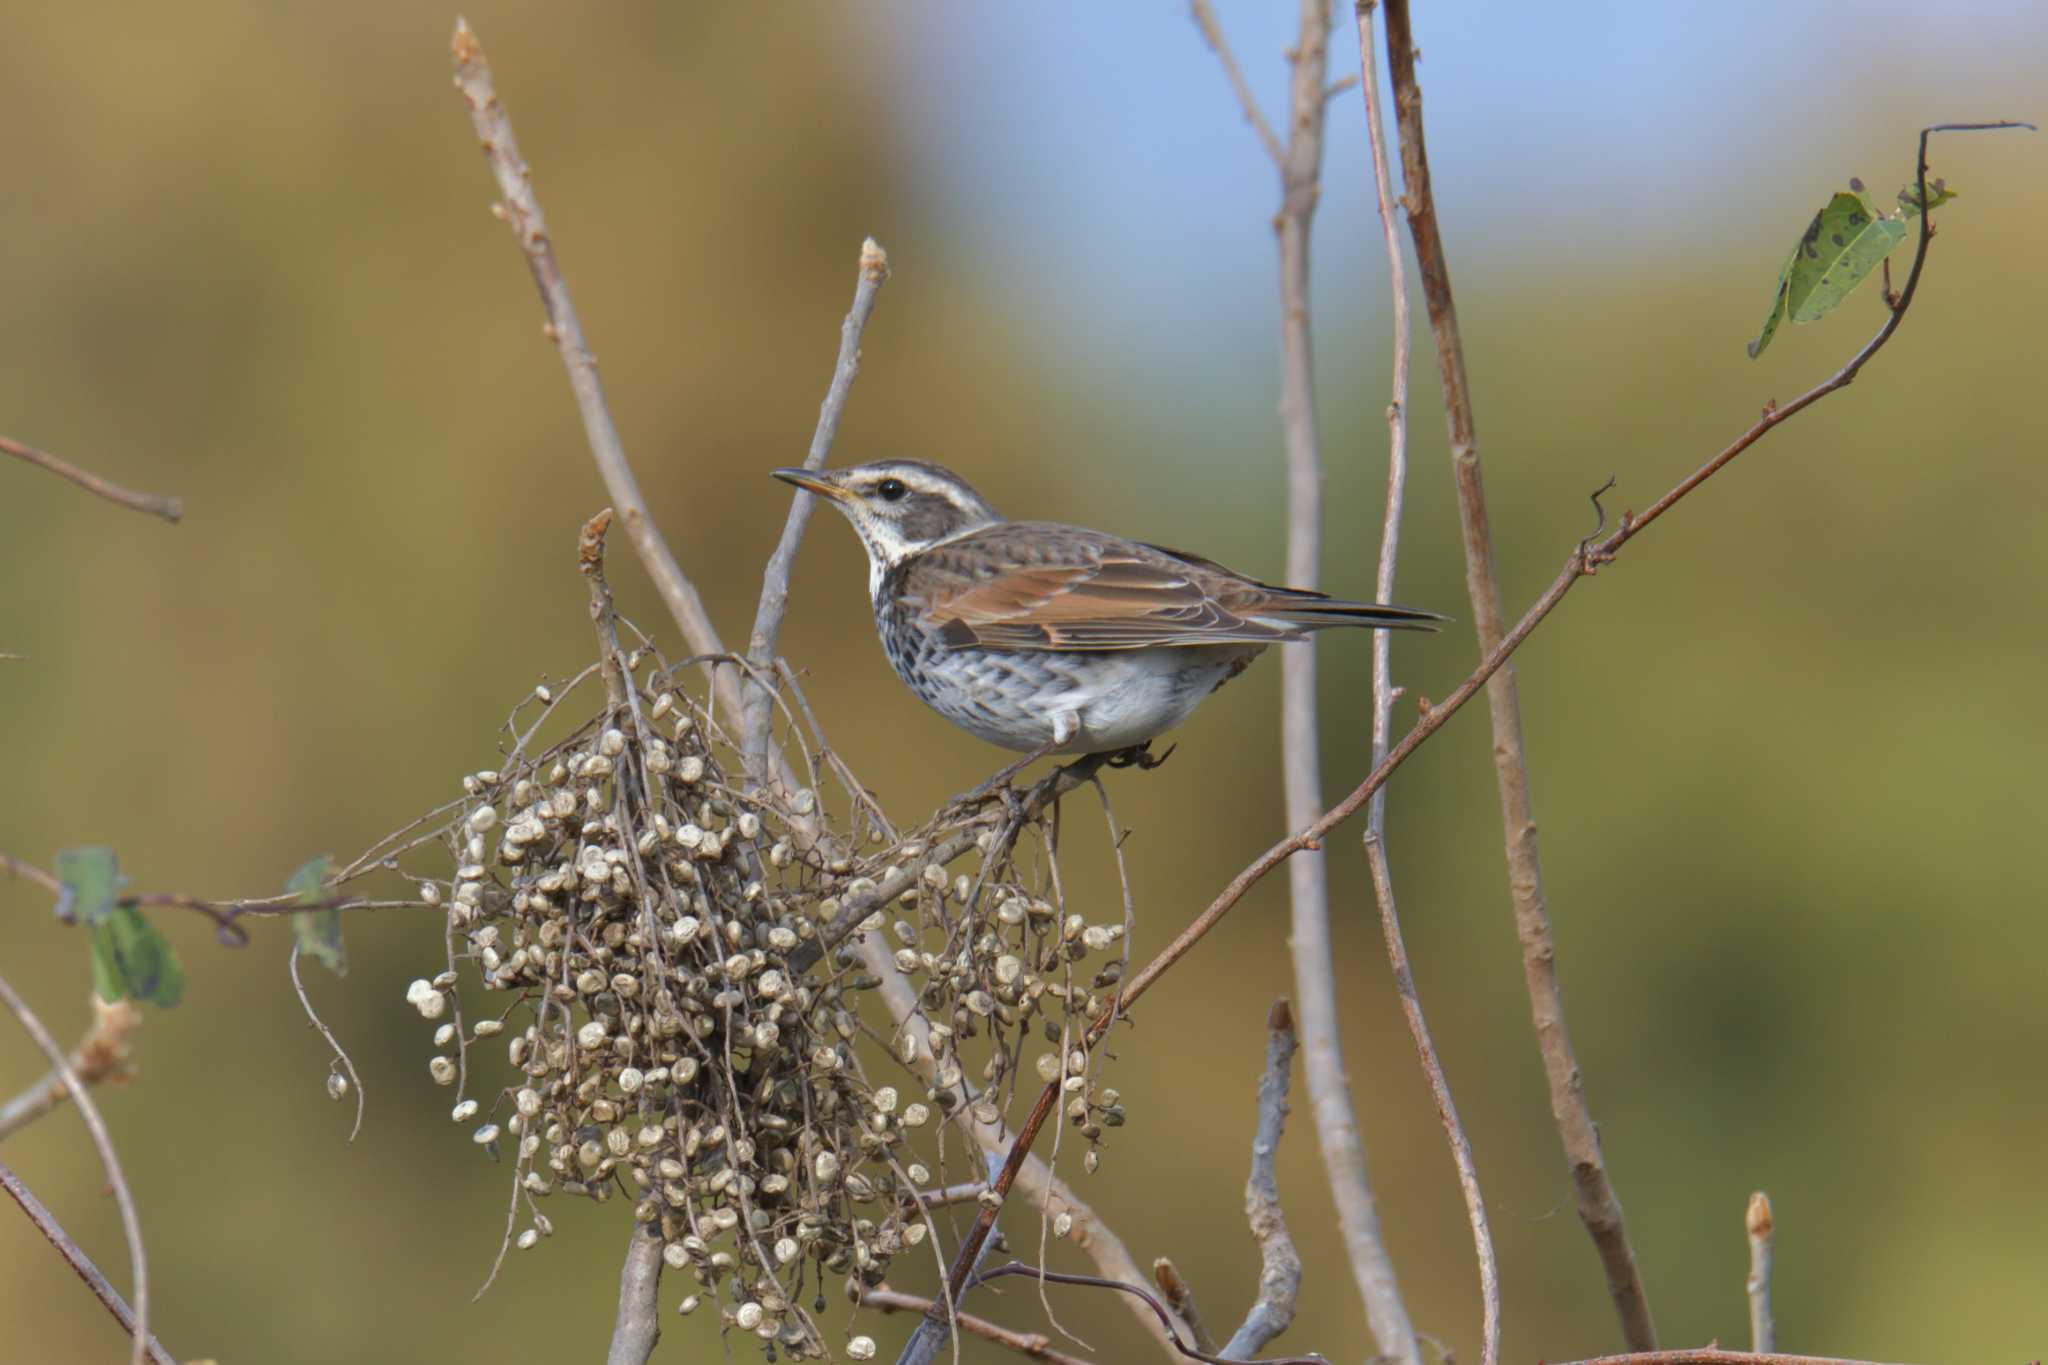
x,y
1051,638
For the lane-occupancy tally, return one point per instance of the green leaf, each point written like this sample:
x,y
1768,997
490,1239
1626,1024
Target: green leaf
x,y
130,958
318,931
1841,246
1848,241
92,878
1770,328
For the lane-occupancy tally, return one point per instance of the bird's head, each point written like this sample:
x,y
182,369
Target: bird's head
x,y
897,507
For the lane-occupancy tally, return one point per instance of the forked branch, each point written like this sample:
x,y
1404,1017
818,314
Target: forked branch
x,y
1280,1264
519,206
874,270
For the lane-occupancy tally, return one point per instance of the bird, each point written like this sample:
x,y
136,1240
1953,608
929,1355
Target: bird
x,y
1053,639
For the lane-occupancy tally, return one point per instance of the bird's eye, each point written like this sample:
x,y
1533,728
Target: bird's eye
x,y
890,490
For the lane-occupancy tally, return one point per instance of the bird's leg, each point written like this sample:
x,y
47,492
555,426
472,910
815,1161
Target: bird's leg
x,y
1141,757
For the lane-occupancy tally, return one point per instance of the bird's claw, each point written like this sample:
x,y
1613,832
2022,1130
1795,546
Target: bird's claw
x,y
1141,757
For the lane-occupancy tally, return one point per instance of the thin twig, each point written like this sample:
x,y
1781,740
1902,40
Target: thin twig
x,y
1378,862
1397,414
590,563
1599,1208
1212,32
1329,1088
874,270
638,1326
340,1053
223,914
1440,1094
46,880
1035,1345
953,1194
1180,1297
170,509
1585,559
102,1055
75,1257
935,1333
1280,1263
1763,1330
131,1225
520,208
1143,1295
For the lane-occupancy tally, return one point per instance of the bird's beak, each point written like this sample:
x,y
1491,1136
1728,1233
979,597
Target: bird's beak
x,y
812,483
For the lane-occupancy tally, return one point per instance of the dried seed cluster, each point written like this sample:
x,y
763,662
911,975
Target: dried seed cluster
x,y
670,1037
995,961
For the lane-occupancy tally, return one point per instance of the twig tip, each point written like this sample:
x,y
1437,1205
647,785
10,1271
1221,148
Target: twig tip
x,y
463,42
874,261
590,544
1758,1217
1280,1019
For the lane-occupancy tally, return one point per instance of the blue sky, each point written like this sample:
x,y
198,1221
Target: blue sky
x,y
1553,141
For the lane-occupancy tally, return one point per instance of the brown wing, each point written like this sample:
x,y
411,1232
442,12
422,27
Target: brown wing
x,y
1037,585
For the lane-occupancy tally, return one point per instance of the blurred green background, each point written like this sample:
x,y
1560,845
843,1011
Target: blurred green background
x,y
1785,754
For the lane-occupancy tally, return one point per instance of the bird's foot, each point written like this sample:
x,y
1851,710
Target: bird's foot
x,y
1141,757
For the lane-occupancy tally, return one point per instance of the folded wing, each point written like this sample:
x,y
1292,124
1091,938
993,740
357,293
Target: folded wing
x,y
1026,585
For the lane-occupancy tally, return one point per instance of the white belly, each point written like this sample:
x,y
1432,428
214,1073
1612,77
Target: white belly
x,y
1128,697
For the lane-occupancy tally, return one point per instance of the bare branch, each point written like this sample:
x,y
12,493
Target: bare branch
x,y
46,880
638,1326
170,509
76,1258
1329,1087
953,1194
223,914
590,562
1280,1273
935,1333
520,208
340,1053
1034,1345
874,271
131,1226
1383,693
1180,1297
1599,1209
102,1055
1440,1093
1763,1331
1212,32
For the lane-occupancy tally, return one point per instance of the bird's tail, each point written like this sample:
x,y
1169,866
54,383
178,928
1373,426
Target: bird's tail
x,y
1306,611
